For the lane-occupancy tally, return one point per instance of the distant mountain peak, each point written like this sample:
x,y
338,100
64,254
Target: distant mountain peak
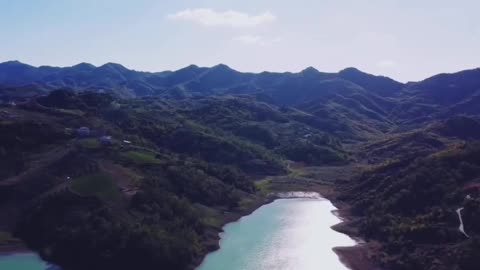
x,y
222,67
352,70
379,84
310,70
13,63
84,66
113,65
192,66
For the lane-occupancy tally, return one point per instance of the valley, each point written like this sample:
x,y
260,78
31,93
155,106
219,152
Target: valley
x,y
287,234
122,169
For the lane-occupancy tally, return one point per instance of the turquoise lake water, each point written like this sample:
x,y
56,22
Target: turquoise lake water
x,y
22,261
288,234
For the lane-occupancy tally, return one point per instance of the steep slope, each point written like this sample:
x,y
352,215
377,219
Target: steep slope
x,y
439,97
141,182
187,145
380,85
354,103
407,199
447,89
14,73
192,79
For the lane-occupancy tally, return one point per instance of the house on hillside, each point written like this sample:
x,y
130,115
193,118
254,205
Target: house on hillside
x,y
83,132
106,140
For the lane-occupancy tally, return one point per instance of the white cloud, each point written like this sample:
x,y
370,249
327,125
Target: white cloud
x,y
255,40
247,39
210,17
387,64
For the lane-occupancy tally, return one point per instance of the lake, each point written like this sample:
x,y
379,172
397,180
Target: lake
x,y
287,234
23,261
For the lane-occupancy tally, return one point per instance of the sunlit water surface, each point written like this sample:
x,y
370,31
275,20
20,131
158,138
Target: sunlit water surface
x,y
288,234
22,261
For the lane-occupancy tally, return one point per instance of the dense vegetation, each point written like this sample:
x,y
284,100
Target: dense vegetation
x,y
124,169
152,195
409,205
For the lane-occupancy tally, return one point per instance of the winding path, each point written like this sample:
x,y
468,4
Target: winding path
x,y
461,227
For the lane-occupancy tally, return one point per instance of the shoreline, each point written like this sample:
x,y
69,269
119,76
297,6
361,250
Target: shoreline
x,y
213,243
11,253
357,257
353,257
17,248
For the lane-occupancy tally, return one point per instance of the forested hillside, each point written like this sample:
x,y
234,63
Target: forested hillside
x,y
410,199
102,177
107,161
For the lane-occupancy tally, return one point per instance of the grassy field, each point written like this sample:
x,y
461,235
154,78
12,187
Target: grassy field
x,y
141,158
89,143
71,112
5,237
263,185
99,184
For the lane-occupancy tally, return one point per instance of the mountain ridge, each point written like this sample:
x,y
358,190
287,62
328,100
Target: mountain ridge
x,y
209,142
350,97
43,74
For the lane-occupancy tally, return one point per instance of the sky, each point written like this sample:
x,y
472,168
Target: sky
x,y
408,40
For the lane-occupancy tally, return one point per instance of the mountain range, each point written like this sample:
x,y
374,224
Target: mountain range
x,y
189,81
156,163
379,101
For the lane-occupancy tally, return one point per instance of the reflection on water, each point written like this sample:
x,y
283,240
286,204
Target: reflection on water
x,y
288,234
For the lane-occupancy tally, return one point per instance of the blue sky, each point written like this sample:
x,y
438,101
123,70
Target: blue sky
x,y
406,40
